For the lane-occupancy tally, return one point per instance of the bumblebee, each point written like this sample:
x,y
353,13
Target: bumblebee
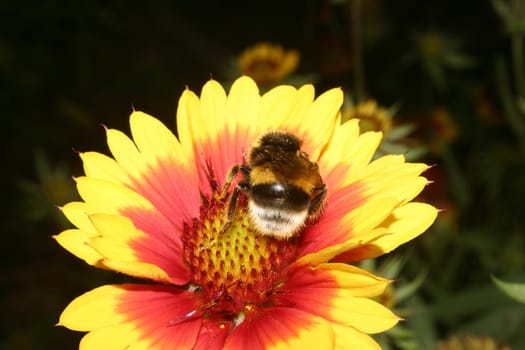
x,y
283,187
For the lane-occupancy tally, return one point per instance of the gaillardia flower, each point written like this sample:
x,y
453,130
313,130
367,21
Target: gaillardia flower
x,y
157,210
371,116
268,63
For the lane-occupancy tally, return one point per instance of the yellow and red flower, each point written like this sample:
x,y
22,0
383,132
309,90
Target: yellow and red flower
x,y
268,63
154,211
471,342
371,116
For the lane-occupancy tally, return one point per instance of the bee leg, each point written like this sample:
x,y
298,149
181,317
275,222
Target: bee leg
x,y
241,186
232,205
229,179
318,200
231,176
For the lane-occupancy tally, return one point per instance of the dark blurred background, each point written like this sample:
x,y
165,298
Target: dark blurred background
x,y
451,69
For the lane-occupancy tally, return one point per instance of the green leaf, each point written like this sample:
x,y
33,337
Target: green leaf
x,y
421,322
501,8
457,60
521,104
416,153
400,132
514,290
501,323
409,289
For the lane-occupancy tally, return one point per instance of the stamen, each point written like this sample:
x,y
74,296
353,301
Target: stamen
x,y
239,319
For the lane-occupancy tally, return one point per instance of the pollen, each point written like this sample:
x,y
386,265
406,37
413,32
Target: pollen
x,y
237,269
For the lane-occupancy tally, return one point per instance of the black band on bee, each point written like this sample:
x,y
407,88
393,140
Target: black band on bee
x,y
278,195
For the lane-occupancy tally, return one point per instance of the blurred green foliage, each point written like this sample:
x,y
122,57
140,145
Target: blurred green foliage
x,y
68,67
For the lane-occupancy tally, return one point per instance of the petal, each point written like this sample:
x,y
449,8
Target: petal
x,y
115,337
77,243
198,123
149,239
129,250
161,243
332,228
155,141
107,197
369,215
361,196
94,309
194,136
280,328
336,152
230,144
283,105
214,114
318,292
330,252
320,121
141,270
170,181
160,314
391,176
405,223
358,282
348,152
160,169
311,120
212,335
140,316
347,216
348,338
170,189
224,126
278,106
244,110
99,166
350,214
190,126
301,105
125,152
77,213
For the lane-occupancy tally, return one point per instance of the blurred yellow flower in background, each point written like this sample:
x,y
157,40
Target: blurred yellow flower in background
x,y
471,342
268,63
397,138
371,116
444,129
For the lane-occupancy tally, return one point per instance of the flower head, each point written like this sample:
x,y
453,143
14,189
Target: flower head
x,y
470,342
160,209
371,116
444,129
396,136
268,63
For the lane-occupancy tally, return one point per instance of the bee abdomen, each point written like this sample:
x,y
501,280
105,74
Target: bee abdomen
x,y
278,210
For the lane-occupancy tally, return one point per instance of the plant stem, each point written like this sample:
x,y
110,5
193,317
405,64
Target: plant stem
x,y
508,101
518,63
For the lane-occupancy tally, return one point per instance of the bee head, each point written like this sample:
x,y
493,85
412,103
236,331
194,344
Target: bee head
x,y
280,140
273,146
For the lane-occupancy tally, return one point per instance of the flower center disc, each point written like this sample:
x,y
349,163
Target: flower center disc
x,y
237,268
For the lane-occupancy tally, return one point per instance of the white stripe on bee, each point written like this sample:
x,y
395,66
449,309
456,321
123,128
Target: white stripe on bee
x,y
274,222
